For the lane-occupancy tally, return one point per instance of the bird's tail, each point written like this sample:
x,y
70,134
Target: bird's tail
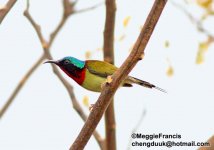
x,y
144,83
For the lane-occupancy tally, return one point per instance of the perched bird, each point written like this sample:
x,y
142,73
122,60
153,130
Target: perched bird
x,y
91,74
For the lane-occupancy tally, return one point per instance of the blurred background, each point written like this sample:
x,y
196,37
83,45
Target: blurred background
x,y
178,58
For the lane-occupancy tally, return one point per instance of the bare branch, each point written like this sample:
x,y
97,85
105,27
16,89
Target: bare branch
x,y
68,8
68,87
108,51
196,22
74,2
35,25
110,89
88,8
42,58
6,9
46,45
136,127
37,63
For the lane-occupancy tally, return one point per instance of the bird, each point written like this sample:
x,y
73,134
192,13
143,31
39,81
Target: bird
x,y
92,74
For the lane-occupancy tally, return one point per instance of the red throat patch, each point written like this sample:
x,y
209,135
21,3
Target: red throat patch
x,y
79,79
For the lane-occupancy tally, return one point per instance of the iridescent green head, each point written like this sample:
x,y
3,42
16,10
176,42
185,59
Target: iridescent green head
x,y
70,65
68,62
71,60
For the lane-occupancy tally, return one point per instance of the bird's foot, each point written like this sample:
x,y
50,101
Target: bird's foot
x,y
108,79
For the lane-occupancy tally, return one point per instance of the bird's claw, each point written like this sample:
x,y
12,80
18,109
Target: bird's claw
x,y
108,79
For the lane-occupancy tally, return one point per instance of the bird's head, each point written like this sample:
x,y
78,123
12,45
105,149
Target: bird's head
x,y
68,62
69,65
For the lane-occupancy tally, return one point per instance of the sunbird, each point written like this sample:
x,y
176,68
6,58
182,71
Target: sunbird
x,y
92,74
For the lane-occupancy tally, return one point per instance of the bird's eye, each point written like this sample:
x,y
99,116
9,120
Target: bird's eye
x,y
66,62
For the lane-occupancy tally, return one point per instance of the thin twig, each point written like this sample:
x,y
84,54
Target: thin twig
x,y
35,25
4,10
36,64
88,8
47,45
108,51
196,22
39,61
109,89
134,130
68,87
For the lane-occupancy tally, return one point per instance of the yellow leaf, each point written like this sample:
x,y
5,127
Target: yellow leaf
x,y
166,44
88,54
204,3
202,48
170,71
126,21
86,101
199,58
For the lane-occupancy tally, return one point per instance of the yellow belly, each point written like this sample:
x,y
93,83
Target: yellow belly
x,y
93,82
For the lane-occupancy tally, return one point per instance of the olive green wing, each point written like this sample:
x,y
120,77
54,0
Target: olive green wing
x,y
100,68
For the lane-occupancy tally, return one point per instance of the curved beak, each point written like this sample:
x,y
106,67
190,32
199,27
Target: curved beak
x,y
51,61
